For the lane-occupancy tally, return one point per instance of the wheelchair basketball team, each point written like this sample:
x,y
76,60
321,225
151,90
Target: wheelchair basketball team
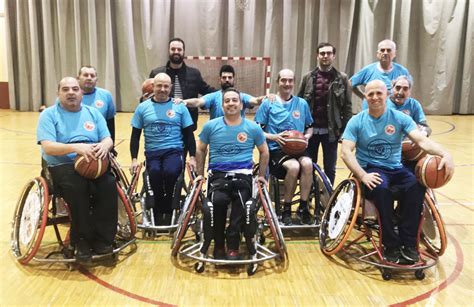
x,y
81,122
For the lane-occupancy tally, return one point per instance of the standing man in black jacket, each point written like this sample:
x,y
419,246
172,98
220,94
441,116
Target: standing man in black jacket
x,y
329,96
187,81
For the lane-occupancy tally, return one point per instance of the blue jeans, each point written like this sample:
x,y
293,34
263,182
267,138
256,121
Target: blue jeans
x,y
329,153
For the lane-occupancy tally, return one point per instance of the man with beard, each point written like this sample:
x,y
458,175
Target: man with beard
x,y
65,130
286,113
213,101
328,93
97,97
168,129
187,81
385,69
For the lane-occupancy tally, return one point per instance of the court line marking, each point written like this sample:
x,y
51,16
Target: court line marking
x,y
109,286
454,275
455,201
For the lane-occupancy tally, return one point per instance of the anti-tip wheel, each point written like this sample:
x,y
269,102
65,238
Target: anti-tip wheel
x,y
387,274
199,267
419,274
252,269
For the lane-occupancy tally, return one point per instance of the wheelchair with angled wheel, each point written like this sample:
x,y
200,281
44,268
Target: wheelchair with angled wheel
x,y
39,207
321,190
197,247
350,225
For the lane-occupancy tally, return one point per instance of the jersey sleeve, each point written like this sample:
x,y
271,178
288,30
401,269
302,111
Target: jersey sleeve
x,y
308,118
350,133
359,77
137,119
245,99
204,136
110,106
261,116
419,115
186,117
259,136
102,129
46,130
208,99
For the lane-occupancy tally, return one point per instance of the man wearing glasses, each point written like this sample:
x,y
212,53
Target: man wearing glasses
x,y
385,69
328,93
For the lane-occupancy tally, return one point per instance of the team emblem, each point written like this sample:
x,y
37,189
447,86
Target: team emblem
x,y
170,113
89,126
389,129
99,104
242,137
296,114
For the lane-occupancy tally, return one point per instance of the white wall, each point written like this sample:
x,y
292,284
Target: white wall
x,y
3,44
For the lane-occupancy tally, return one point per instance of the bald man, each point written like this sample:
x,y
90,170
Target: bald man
x,y
371,149
286,113
168,129
64,130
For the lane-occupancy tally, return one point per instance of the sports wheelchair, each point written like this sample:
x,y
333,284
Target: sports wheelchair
x,y
348,210
320,193
192,216
39,207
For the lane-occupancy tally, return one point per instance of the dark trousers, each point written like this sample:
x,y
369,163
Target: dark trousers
x,y
222,192
164,168
329,153
410,199
93,203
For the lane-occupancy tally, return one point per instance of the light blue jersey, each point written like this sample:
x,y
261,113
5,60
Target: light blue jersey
x,y
231,147
162,123
279,116
373,72
102,100
390,104
379,140
56,124
213,103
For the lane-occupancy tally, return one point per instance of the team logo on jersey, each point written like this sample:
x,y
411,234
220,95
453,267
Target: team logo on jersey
x,y
389,129
242,137
170,113
89,126
229,150
296,114
99,104
407,112
379,149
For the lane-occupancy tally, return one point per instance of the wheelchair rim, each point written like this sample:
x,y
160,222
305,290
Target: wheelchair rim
x,y
439,228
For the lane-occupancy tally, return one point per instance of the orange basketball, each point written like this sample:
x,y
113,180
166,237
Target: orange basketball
x,y
411,151
427,172
295,143
147,89
92,169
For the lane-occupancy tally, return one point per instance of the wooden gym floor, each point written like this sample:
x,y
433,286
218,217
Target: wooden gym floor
x,y
149,276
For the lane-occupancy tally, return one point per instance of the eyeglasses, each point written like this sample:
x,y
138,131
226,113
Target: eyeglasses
x,y
324,53
388,50
399,87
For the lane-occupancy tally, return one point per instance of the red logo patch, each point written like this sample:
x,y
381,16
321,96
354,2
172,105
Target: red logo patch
x,y
170,113
296,114
89,126
407,112
99,104
242,137
389,129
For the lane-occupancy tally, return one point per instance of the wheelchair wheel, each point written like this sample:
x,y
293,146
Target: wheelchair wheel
x,y
30,219
433,232
126,226
340,216
185,216
323,189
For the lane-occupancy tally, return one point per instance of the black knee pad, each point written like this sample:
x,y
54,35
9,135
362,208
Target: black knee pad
x,y
250,220
208,219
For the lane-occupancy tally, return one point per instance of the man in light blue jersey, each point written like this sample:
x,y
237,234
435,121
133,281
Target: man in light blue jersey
x,y
213,101
168,131
385,69
371,149
231,140
65,130
286,113
97,97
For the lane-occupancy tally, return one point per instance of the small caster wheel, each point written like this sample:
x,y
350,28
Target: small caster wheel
x,y
199,267
252,269
198,238
419,274
261,239
386,274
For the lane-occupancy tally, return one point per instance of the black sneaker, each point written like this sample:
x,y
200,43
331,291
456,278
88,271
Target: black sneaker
x,y
83,252
286,217
219,253
410,253
304,216
392,254
102,248
233,254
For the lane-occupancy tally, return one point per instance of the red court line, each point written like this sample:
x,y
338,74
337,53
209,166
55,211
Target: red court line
x,y
454,275
134,296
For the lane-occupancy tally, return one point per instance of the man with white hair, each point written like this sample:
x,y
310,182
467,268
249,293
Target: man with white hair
x,y
385,69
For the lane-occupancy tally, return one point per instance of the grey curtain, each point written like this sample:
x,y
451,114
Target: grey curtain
x,y
125,39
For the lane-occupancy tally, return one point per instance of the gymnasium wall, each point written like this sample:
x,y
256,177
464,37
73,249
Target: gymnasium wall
x,y
4,101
